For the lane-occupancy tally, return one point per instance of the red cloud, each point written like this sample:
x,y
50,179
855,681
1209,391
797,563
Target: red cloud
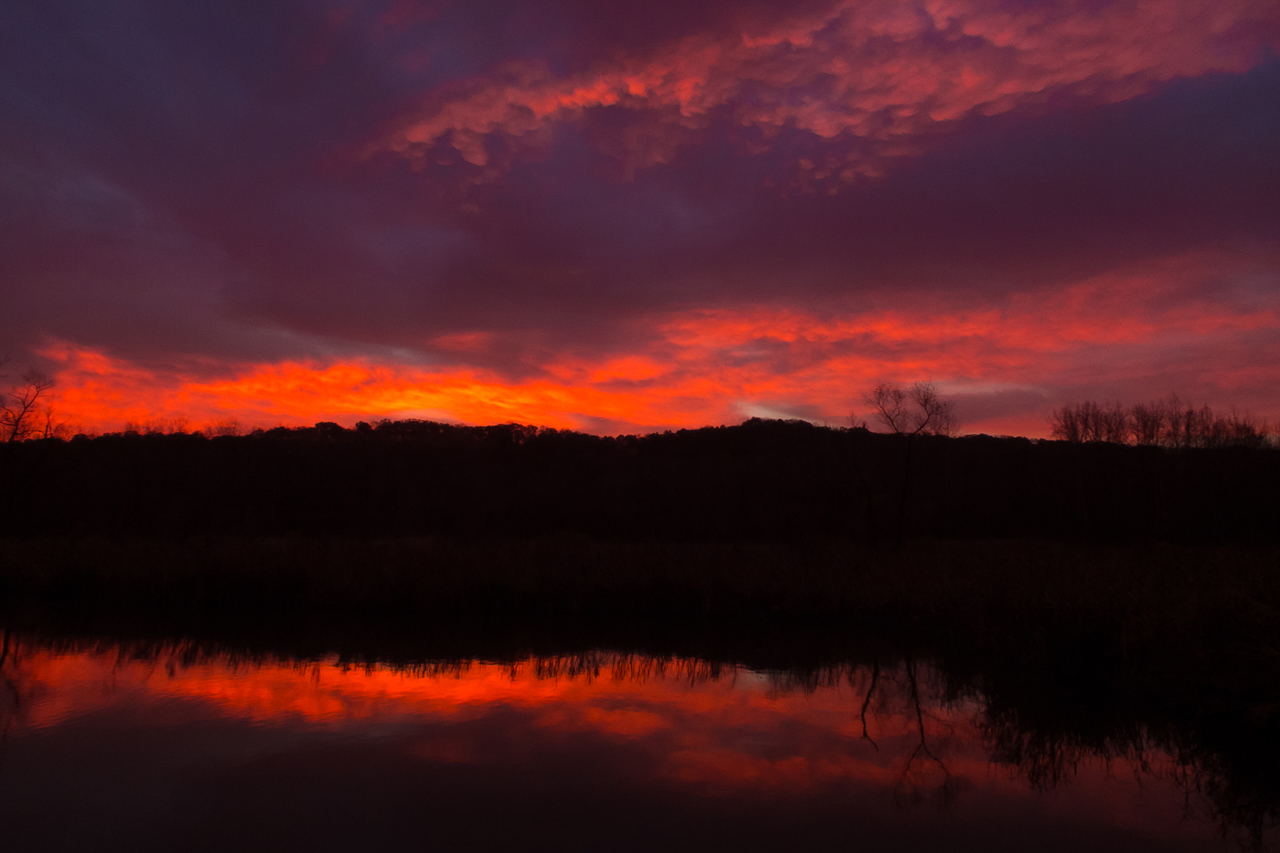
x,y
881,71
719,365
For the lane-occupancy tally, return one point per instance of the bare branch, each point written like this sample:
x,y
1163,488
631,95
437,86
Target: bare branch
x,y
1170,422
888,405
934,415
20,411
226,426
921,410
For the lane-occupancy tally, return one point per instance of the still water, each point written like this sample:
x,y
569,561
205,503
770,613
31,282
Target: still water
x,y
105,749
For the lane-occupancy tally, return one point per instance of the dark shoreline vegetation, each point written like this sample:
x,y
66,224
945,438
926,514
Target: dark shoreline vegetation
x,y
1103,599
760,481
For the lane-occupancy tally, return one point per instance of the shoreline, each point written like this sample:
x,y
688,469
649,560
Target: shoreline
x,y
981,593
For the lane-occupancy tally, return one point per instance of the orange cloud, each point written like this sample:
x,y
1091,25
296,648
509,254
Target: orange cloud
x,y
881,70
716,366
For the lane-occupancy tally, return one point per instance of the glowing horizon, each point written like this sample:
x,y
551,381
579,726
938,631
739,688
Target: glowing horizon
x,y
705,367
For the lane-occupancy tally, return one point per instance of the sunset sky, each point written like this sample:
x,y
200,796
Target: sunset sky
x,y
622,217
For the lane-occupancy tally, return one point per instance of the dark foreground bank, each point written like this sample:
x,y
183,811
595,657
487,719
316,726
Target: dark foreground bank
x,y
1006,595
760,481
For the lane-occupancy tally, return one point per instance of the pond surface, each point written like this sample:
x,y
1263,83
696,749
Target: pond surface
x,y
172,750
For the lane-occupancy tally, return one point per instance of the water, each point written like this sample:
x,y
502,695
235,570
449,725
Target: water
x,y
105,748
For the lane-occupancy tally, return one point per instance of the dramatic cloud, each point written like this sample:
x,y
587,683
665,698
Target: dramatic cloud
x,y
882,71
630,219
1115,335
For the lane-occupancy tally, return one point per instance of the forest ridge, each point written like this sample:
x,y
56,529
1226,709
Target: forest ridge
x,y
761,480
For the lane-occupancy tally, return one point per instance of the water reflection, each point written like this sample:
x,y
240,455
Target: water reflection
x,y
170,748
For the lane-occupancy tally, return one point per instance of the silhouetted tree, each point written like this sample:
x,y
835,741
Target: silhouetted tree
x,y
227,426
173,425
1089,421
25,411
1170,422
1187,426
1246,431
1147,422
919,410
858,433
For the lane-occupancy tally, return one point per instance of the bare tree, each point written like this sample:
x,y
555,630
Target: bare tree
x,y
1244,430
919,410
1089,421
1170,422
1112,424
24,407
171,425
226,426
1147,422
1067,424
1186,423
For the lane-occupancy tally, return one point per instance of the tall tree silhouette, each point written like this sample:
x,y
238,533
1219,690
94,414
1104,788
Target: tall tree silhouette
x,y
24,410
919,410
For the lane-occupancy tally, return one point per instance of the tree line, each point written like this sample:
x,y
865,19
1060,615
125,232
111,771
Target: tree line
x,y
761,480
1171,422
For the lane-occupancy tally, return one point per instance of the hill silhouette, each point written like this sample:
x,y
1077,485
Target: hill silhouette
x,y
761,480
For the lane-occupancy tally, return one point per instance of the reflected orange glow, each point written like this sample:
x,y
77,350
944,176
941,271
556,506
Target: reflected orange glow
x,y
718,366
676,726
717,731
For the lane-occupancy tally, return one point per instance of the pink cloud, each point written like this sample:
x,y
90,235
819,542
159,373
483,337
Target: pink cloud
x,y
881,71
1131,330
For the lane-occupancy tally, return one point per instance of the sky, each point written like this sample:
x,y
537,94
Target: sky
x,y
623,218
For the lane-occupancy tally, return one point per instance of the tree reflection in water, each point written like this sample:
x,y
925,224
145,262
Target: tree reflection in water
x,y
11,701
915,720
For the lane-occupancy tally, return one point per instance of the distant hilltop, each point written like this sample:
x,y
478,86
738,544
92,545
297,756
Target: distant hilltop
x,y
761,480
